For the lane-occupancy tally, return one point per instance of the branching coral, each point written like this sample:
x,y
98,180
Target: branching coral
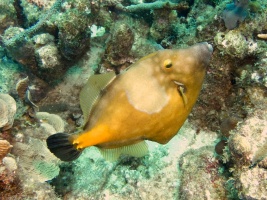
x,y
19,39
20,45
154,5
7,15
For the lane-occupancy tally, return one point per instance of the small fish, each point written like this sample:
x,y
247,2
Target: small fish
x,y
148,101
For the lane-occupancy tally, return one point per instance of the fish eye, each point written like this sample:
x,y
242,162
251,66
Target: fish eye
x,y
167,63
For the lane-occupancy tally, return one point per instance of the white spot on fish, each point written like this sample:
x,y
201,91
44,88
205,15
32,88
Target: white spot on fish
x,y
146,94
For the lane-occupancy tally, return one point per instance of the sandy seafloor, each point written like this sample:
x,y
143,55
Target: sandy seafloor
x,y
219,153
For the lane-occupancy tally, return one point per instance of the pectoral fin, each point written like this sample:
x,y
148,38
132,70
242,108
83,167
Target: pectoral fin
x,y
181,90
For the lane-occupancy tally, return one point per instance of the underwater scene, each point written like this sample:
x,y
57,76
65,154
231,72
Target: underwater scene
x,y
133,99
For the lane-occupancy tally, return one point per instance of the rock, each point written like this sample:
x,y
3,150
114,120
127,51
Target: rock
x,y
11,164
8,109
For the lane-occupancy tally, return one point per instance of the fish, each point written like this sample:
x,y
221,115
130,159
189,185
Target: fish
x,y
150,100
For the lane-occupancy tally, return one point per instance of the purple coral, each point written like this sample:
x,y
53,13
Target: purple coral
x,y
235,13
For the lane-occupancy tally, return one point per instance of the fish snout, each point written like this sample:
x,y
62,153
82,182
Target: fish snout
x,y
204,51
210,48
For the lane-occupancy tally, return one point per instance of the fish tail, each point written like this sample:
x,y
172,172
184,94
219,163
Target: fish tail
x,y
60,144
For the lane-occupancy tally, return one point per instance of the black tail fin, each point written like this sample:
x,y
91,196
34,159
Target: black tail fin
x,y
60,145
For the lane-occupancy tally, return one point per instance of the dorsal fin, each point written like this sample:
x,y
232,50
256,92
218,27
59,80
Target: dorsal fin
x,y
92,90
139,149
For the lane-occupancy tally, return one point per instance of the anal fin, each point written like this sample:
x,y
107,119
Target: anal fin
x,y
139,149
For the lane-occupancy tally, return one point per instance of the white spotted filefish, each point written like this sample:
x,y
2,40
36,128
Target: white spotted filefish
x,y
148,101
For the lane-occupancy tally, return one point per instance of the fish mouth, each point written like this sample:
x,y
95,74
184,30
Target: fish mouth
x,y
210,48
204,52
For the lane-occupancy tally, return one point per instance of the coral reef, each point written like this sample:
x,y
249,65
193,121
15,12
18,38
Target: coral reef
x,y
235,44
74,33
8,15
36,160
47,57
9,183
162,24
201,166
23,54
119,45
229,124
58,44
36,163
247,153
28,53
253,184
155,176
